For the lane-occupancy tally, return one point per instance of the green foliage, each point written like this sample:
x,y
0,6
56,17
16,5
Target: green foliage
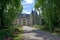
x,y
10,33
36,26
50,12
43,22
9,10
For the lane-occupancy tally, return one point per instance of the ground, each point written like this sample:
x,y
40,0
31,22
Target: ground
x,y
31,33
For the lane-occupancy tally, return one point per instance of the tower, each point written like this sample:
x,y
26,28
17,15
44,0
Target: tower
x,y
34,16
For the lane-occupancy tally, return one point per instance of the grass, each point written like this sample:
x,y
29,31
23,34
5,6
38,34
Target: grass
x,y
46,29
10,33
36,26
20,34
54,33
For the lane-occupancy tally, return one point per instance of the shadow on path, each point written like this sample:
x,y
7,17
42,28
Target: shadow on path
x,y
40,34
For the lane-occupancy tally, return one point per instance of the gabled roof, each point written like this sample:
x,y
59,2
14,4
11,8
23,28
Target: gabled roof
x,y
26,15
34,12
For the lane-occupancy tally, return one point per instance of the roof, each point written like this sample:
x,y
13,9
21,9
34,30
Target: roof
x,y
34,12
27,15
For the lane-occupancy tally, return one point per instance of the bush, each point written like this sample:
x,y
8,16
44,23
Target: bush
x,y
36,26
44,27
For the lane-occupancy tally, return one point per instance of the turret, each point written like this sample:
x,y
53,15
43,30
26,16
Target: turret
x,y
35,16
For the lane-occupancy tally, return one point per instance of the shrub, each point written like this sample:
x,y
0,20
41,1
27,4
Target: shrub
x,y
36,26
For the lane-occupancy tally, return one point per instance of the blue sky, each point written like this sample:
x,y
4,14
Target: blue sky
x,y
28,5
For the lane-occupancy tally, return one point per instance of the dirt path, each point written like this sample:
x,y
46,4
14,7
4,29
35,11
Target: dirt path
x,y
31,33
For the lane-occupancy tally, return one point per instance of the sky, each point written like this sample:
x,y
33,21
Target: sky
x,y
28,5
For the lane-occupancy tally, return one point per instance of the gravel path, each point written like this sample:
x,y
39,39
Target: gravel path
x,y
31,33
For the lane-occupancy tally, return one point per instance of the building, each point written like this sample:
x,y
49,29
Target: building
x,y
35,17
24,20
27,19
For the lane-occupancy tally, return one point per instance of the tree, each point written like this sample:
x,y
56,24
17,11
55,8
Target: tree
x,y
50,12
9,10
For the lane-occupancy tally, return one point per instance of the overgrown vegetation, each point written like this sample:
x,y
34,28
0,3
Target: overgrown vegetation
x,y
9,11
15,33
35,26
50,14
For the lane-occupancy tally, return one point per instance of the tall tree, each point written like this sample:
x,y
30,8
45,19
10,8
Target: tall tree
x,y
9,10
50,11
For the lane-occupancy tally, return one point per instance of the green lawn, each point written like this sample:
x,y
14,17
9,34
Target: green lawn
x,y
11,33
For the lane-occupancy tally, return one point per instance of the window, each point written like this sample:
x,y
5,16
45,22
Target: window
x,y
19,21
23,22
23,19
16,20
15,23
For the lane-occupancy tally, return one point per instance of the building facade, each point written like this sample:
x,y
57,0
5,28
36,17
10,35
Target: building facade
x,y
24,20
35,17
27,19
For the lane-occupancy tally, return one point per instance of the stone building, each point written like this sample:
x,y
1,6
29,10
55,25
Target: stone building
x,y
24,20
27,19
35,17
